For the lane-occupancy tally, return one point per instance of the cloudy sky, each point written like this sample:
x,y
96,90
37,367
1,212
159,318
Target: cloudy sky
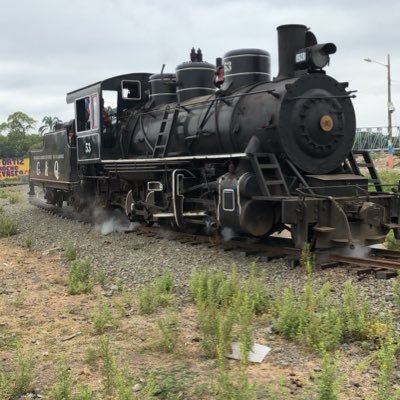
x,y
51,47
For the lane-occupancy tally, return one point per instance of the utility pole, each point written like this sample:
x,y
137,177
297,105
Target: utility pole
x,y
390,109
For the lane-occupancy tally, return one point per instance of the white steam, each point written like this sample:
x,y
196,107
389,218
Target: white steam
x,y
109,221
227,233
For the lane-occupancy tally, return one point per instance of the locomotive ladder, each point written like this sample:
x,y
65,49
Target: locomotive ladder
x,y
368,163
167,124
269,176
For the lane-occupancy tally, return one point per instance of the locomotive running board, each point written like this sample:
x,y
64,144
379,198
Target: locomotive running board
x,y
172,159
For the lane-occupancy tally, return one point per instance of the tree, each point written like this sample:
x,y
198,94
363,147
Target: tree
x,y
49,124
18,125
15,137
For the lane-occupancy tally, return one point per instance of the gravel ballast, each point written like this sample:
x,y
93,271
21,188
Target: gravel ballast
x,y
133,259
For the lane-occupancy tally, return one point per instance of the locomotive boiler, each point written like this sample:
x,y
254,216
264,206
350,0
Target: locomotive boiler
x,y
224,146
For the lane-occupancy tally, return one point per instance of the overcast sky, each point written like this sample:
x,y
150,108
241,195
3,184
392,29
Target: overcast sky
x,y
51,47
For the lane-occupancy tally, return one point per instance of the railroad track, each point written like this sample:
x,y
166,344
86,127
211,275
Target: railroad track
x,y
10,184
382,262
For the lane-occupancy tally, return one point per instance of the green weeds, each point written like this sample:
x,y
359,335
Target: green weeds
x,y
102,318
64,388
328,382
8,227
23,374
169,331
307,259
70,252
79,277
160,292
316,318
386,359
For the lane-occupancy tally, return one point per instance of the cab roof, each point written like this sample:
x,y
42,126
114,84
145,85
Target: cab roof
x,y
113,83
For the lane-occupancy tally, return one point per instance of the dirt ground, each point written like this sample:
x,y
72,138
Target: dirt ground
x,y
36,310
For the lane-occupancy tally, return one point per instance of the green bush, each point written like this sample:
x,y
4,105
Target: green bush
x,y
355,312
169,330
62,390
23,374
7,226
396,290
70,252
386,358
79,277
156,293
327,381
307,259
316,318
102,318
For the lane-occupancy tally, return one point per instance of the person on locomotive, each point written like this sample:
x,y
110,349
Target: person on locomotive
x,y
87,113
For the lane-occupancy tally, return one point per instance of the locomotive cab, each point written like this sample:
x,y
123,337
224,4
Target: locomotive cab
x,y
99,111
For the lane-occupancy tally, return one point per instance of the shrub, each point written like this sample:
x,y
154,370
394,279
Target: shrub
x,y
14,197
396,290
123,385
354,312
70,252
109,366
309,317
5,386
79,278
62,390
102,318
28,242
386,358
234,386
7,226
169,330
307,259
327,382
23,375
224,302
156,293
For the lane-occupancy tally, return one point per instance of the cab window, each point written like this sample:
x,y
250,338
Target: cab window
x,y
87,113
131,90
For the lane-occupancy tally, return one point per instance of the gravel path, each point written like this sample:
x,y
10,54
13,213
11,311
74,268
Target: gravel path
x,y
134,259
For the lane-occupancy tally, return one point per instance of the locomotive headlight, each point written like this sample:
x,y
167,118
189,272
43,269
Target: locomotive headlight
x,y
314,57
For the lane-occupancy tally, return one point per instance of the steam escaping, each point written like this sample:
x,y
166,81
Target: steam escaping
x,y
108,221
359,250
227,233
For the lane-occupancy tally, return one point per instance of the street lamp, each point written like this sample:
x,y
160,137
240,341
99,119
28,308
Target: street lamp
x,y
390,109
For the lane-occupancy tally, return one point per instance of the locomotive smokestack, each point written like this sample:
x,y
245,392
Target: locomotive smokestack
x,y
291,38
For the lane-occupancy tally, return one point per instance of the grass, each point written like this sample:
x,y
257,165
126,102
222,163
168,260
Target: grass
x,y
8,227
390,178
307,259
8,340
70,252
13,197
102,318
64,388
27,242
316,318
23,374
169,332
327,382
79,277
386,359
159,292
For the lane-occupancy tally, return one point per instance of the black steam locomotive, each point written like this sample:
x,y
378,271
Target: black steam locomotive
x,y
224,146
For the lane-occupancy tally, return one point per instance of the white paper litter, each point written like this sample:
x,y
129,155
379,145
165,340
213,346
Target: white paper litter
x,y
256,355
